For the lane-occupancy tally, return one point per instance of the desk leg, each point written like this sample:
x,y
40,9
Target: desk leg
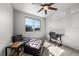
x,y
17,51
6,51
60,38
50,39
60,42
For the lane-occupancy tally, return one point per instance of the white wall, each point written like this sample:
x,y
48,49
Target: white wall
x,y
19,26
67,22
6,25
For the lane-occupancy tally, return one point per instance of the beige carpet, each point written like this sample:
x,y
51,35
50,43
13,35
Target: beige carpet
x,y
53,50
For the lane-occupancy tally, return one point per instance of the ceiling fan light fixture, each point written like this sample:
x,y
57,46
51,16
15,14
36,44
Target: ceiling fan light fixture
x,y
45,7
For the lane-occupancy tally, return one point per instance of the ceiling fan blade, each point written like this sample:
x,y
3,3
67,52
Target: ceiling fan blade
x,y
42,5
40,9
52,8
45,11
50,4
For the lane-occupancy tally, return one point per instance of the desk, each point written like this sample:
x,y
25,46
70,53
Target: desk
x,y
15,46
55,37
60,35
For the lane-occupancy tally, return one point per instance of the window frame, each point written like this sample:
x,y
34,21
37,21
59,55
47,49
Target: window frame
x,y
33,24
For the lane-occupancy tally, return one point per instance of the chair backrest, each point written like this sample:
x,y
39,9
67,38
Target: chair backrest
x,y
52,33
17,38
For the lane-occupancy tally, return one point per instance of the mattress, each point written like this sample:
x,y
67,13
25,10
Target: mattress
x,y
34,43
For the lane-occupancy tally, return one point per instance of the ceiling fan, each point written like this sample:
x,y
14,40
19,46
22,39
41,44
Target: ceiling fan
x,y
47,6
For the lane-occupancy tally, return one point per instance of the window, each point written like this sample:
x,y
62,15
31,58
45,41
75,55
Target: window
x,y
32,24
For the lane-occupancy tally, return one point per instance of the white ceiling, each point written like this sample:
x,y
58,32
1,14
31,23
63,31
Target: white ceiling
x,y
32,8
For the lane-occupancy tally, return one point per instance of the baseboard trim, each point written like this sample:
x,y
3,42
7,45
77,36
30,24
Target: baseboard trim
x,y
66,44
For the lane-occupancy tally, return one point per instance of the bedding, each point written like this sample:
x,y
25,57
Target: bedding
x,y
34,43
34,47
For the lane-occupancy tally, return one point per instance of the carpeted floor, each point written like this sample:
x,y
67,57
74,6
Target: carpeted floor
x,y
51,49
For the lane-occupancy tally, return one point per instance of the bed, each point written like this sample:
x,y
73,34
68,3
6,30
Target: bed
x,y
34,47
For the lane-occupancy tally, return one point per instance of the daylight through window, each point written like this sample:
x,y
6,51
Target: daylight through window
x,y
32,24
